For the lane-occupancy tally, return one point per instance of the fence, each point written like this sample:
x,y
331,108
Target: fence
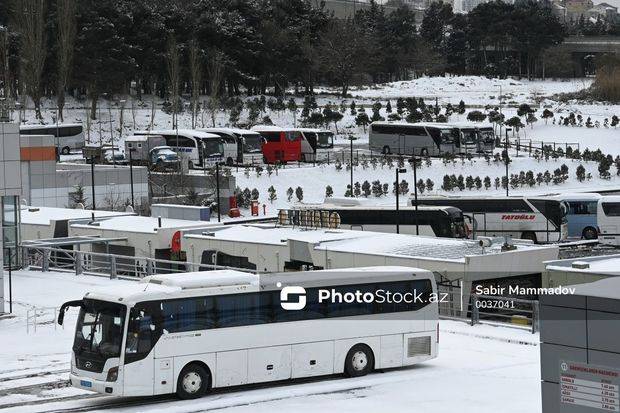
x,y
41,316
488,309
112,265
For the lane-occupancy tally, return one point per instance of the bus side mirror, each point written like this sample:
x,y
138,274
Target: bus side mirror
x,y
65,307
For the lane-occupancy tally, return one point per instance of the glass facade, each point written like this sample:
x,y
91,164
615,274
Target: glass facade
x,y
10,230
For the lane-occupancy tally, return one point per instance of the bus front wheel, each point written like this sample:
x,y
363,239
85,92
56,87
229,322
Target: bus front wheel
x,y
589,233
193,382
360,361
66,150
386,150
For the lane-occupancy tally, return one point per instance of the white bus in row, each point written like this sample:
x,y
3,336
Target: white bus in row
x,y
238,143
191,145
608,219
430,139
68,137
188,333
539,219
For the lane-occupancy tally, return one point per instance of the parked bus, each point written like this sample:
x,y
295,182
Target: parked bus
x,y
475,137
413,138
280,145
540,219
582,214
608,218
313,141
249,143
233,148
68,137
430,221
188,333
192,145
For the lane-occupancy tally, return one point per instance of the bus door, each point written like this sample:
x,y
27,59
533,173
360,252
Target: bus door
x,y
239,139
450,141
402,144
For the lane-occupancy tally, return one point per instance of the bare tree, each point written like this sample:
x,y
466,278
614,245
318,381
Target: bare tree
x,y
29,20
66,12
195,72
4,62
153,111
341,52
172,64
134,111
215,67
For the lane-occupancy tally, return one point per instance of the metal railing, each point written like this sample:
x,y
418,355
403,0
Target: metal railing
x,y
488,309
41,316
112,265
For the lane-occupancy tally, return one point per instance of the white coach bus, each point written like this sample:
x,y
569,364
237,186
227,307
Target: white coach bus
x,y
539,219
68,137
192,145
608,219
188,333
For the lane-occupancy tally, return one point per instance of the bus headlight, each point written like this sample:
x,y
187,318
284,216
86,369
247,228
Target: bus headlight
x,y
112,374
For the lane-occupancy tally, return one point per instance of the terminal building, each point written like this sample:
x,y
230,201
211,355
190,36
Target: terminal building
x,y
580,348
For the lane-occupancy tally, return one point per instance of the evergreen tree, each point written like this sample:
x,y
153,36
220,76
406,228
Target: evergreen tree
x,y
272,194
299,194
329,191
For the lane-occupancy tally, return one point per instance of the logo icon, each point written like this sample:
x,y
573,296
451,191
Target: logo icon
x,y
298,294
564,366
88,365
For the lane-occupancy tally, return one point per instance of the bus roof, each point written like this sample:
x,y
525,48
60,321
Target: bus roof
x,y
230,130
586,196
422,198
51,126
180,132
191,284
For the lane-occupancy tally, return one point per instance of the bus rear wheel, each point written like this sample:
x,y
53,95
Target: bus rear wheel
x,y
589,233
229,161
66,150
193,382
386,150
424,153
529,235
359,362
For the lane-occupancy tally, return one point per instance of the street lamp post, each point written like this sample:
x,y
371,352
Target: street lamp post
x,y
92,180
402,171
352,138
507,160
415,192
131,177
217,189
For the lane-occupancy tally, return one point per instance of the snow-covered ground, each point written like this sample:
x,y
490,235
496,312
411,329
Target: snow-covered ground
x,y
475,91
481,368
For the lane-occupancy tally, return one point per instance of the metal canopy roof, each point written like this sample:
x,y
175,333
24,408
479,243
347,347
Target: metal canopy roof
x,y
65,241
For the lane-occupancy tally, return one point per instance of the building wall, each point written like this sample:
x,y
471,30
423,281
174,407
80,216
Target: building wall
x,y
50,184
576,329
10,182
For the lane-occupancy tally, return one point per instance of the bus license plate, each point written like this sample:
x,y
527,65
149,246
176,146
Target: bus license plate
x,y
85,383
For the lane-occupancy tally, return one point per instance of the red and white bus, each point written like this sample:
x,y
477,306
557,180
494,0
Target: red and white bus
x,y
280,145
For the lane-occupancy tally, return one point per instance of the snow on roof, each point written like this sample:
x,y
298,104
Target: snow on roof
x,y
141,224
265,128
180,132
605,288
45,215
53,125
586,196
365,242
230,130
268,234
204,279
601,265
399,245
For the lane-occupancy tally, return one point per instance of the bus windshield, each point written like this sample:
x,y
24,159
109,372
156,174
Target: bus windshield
x,y
487,136
448,136
99,329
293,136
469,136
252,143
325,140
213,147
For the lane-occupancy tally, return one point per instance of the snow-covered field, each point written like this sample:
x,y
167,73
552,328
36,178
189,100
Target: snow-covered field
x,y
475,91
481,369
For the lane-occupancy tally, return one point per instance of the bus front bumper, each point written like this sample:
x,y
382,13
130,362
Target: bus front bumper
x,y
98,386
